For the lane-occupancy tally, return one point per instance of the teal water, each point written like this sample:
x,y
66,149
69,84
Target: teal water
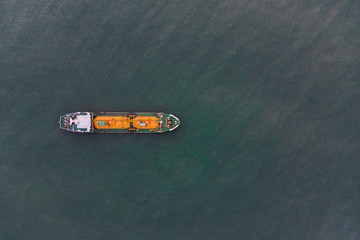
x,y
267,92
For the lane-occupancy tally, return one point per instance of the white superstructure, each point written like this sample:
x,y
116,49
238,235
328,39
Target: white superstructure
x,y
77,122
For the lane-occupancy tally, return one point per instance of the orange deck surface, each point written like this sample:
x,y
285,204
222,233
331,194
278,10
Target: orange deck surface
x,y
122,122
151,122
112,122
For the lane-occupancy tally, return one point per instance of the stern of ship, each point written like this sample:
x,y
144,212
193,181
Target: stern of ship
x,y
77,122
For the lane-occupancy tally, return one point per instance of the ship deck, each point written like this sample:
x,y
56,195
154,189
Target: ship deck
x,y
140,122
119,122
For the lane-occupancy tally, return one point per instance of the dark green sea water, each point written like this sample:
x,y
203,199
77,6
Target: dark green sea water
x,y
267,92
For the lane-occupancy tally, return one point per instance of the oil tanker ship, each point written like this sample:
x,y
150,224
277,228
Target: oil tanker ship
x,y
118,122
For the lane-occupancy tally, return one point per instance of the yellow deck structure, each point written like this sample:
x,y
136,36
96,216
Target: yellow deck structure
x,y
146,122
111,122
124,122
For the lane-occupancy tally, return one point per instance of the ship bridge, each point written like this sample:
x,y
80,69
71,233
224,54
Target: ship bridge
x,y
77,122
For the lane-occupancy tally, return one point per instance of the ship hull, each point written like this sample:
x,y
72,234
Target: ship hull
x,y
119,122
